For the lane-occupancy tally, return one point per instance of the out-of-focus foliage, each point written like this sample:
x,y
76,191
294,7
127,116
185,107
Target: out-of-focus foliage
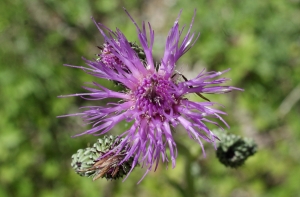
x,y
258,40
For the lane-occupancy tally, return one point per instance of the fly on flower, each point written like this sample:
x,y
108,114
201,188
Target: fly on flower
x,y
153,100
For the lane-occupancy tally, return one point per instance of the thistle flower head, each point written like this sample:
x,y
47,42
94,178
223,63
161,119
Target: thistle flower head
x,y
108,58
154,100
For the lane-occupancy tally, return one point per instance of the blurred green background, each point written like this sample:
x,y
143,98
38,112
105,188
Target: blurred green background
x,y
258,40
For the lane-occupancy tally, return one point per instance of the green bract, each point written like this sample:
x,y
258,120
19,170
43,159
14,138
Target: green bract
x,y
233,150
92,161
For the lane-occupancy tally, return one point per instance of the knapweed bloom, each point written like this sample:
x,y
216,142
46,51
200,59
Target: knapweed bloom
x,y
108,58
154,100
111,60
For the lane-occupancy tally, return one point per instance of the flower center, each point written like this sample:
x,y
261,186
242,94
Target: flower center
x,y
155,98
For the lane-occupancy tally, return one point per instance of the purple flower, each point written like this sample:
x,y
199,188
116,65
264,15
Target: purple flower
x,y
108,58
154,99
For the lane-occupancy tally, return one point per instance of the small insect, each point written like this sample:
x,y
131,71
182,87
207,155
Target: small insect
x,y
185,79
151,94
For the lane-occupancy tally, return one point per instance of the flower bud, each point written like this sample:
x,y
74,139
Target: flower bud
x,y
92,161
